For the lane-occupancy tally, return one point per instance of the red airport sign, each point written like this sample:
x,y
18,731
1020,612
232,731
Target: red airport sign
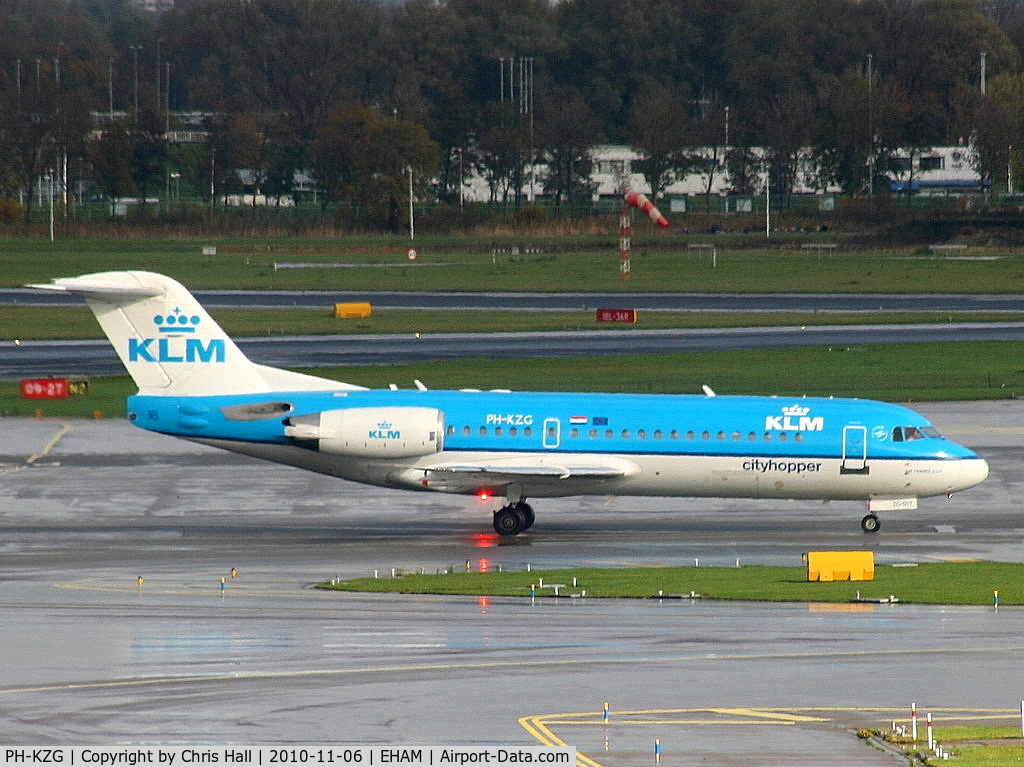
x,y
44,388
616,315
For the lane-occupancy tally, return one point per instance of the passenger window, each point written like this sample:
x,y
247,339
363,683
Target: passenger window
x,y
625,433
574,433
657,434
721,436
450,431
705,436
512,431
783,436
751,437
641,434
527,432
690,435
607,433
465,431
497,431
483,431
592,433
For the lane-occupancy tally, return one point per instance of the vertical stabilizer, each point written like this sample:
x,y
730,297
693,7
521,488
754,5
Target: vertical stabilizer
x,y
164,337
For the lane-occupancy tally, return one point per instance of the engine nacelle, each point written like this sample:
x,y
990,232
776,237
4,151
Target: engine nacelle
x,y
371,432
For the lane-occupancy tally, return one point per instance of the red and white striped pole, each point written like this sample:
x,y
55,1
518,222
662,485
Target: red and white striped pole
x,y
913,722
625,235
931,736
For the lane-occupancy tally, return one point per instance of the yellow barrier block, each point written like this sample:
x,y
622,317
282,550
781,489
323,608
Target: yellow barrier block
x,y
840,565
353,310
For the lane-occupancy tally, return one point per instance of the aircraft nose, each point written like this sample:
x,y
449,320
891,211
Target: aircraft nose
x,y
973,471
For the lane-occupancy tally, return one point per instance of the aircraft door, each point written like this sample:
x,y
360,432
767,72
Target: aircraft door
x,y
855,450
552,433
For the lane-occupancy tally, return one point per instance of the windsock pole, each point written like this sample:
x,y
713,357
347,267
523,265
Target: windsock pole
x,y
625,235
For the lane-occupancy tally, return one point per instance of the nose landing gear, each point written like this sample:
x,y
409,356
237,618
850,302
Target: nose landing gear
x,y
870,524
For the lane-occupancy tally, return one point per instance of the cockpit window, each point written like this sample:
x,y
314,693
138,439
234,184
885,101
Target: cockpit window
x,y
910,433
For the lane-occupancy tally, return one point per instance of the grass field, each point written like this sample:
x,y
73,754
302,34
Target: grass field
x,y
961,583
566,263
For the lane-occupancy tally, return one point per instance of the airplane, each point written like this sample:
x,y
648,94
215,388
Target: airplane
x,y
195,383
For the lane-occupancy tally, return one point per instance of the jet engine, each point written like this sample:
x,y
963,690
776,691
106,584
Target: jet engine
x,y
370,432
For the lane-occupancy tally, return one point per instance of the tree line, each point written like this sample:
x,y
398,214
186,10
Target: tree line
x,y
373,97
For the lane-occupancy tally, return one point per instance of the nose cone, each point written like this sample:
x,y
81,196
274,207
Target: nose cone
x,y
973,471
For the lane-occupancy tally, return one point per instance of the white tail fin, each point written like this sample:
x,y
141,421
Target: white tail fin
x,y
168,342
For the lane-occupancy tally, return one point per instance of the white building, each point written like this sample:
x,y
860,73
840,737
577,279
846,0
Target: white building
x,y
932,171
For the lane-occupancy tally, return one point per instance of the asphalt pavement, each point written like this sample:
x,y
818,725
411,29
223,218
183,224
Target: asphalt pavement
x,y
93,656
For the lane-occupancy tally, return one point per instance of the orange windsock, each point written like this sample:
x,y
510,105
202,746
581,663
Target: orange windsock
x,y
637,200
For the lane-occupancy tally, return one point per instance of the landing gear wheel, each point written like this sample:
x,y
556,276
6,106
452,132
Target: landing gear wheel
x,y
509,521
527,511
870,524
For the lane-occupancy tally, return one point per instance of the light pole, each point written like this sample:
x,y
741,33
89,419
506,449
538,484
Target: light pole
x,y
1009,171
110,85
159,73
871,132
135,55
412,225
167,98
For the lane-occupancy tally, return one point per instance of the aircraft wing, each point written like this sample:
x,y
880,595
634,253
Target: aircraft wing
x,y
555,478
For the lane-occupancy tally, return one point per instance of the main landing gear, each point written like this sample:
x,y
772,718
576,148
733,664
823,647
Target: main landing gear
x,y
513,519
870,524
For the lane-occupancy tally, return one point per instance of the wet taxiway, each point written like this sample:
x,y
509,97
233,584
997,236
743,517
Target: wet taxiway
x,y
93,656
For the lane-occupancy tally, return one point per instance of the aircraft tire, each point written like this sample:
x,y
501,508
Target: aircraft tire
x,y
509,521
528,516
870,524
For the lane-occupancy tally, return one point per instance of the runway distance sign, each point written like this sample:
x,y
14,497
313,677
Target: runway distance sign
x,y
53,388
44,388
617,315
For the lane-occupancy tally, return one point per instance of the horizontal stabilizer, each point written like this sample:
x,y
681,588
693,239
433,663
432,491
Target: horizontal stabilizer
x,y
169,343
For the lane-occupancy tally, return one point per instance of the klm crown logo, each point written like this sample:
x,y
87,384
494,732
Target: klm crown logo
x,y
176,322
172,344
794,418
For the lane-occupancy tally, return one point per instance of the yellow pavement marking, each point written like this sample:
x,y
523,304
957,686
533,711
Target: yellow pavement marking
x,y
49,445
540,725
47,448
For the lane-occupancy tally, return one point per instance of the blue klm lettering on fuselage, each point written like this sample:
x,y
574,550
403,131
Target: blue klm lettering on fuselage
x,y
166,350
